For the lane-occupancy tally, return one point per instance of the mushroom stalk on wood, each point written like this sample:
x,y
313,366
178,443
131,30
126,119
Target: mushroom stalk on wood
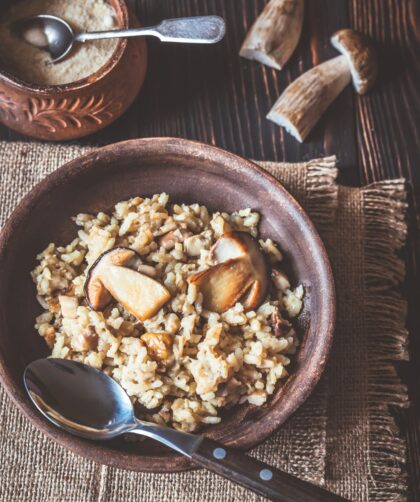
x,y
275,34
303,102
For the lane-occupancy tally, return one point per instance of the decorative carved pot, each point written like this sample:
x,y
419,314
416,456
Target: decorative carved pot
x,y
69,111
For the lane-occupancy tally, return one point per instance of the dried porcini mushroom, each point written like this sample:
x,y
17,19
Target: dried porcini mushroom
x,y
243,246
97,296
139,294
280,325
85,340
275,34
361,57
304,101
109,277
159,345
228,388
240,274
224,284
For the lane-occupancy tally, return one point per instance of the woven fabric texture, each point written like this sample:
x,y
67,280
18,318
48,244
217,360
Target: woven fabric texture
x,y
343,438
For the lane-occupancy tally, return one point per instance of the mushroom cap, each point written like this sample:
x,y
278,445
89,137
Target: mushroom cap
x,y
361,55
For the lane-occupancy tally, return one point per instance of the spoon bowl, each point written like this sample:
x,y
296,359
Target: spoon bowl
x,y
49,33
79,399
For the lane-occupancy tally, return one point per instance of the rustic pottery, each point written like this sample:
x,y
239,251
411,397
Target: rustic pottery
x,y
69,111
188,172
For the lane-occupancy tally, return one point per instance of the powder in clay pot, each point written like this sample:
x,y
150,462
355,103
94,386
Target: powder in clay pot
x,y
33,65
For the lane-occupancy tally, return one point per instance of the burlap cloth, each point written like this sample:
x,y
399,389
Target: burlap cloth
x,y
343,438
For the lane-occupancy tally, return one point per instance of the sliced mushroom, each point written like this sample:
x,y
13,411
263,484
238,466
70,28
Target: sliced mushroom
x,y
304,101
139,294
224,284
96,294
110,277
159,345
242,245
275,34
85,340
255,296
280,325
240,274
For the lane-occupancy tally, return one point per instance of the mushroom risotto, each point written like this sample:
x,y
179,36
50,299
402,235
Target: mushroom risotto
x,y
187,310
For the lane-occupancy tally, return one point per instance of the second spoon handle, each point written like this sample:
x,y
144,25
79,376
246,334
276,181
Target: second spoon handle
x,y
191,30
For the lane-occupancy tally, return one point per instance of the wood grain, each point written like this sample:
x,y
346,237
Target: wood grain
x,y
212,95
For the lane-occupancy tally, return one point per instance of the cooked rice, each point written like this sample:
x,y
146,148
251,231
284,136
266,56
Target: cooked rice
x,y
216,360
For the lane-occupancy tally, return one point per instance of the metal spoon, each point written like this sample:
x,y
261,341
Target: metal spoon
x,y
90,404
56,36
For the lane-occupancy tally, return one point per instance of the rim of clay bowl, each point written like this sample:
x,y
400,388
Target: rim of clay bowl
x,y
262,428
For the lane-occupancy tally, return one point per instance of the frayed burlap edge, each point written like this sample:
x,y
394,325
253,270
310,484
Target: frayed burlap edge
x,y
322,191
318,190
385,231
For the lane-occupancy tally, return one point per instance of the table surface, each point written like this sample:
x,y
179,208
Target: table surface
x,y
212,95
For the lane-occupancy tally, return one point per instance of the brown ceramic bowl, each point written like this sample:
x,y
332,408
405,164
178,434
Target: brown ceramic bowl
x,y
69,111
189,172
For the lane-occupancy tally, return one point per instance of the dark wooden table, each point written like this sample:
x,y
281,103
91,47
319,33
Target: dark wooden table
x,y
210,94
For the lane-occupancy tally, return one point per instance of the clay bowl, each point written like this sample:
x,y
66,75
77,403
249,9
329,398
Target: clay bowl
x,y
189,172
63,112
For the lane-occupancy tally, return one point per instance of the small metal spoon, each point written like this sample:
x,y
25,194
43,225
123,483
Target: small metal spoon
x,y
90,404
56,36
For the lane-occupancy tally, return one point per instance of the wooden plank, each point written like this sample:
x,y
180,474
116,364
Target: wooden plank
x,y
212,95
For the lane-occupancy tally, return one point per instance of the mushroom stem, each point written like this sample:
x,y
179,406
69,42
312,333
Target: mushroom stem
x,y
303,102
275,34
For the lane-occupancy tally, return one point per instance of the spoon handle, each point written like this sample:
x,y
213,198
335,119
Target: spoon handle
x,y
258,476
236,466
191,30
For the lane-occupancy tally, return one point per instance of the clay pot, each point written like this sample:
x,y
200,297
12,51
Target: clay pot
x,y
69,111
